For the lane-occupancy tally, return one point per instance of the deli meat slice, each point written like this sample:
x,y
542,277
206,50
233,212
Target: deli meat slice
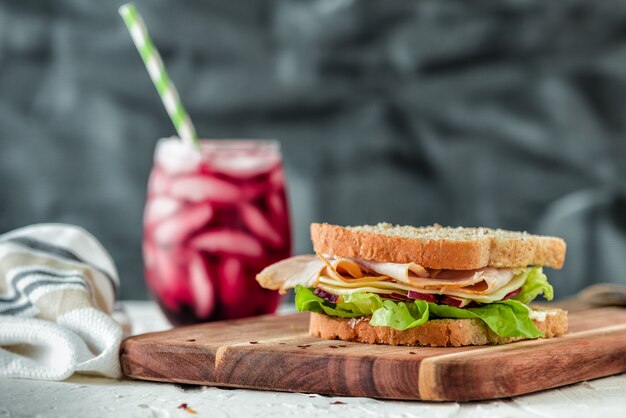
x,y
473,282
299,270
477,282
404,273
306,270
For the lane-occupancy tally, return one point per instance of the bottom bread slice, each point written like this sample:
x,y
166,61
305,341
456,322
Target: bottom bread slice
x,y
434,333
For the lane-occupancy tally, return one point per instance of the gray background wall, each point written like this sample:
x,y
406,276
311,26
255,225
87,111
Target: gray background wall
x,y
504,114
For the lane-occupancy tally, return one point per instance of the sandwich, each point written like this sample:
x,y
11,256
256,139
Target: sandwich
x,y
427,286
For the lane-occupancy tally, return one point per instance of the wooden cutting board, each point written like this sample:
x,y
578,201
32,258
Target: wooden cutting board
x,y
275,353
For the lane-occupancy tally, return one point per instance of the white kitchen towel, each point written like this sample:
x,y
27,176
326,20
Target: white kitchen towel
x,y
58,288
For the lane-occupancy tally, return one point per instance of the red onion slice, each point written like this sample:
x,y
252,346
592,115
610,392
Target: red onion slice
x,y
422,296
395,296
511,294
447,300
327,296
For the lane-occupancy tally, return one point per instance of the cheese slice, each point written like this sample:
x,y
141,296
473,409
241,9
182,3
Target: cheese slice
x,y
346,266
344,291
369,281
390,287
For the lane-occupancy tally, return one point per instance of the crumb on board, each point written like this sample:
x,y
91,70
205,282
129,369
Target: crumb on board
x,y
186,407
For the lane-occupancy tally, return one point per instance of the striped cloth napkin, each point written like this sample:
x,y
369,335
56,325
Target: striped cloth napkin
x,y
58,288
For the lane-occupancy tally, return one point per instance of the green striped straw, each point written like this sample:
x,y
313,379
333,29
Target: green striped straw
x,y
160,78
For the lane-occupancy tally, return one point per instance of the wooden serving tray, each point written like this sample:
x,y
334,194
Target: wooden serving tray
x,y
276,353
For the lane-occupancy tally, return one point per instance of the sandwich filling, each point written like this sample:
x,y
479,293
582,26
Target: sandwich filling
x,y
404,296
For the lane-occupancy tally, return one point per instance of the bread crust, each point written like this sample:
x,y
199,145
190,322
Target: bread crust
x,y
434,333
440,248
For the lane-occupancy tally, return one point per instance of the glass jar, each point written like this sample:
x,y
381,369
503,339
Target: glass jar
x,y
213,219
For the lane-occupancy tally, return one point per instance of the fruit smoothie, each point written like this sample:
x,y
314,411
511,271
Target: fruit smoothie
x,y
214,218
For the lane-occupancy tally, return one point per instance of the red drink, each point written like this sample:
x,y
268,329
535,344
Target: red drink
x,y
213,220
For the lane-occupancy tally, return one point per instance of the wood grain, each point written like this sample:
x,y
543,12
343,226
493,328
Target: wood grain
x,y
276,353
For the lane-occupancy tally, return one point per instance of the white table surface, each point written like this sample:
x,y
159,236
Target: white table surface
x,y
82,396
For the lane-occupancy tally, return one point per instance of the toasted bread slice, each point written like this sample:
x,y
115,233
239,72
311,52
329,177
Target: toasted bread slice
x,y
439,247
434,333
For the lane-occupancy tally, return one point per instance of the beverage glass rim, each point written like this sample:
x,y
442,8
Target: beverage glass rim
x,y
178,156
230,144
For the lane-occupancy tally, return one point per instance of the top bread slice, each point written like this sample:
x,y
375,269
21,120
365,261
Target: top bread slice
x,y
438,247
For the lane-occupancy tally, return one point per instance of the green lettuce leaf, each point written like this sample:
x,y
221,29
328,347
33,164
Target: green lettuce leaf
x,y
307,301
536,284
401,315
353,305
366,303
509,318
